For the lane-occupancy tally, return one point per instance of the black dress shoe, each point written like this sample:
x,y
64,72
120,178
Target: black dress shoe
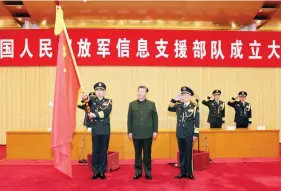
x,y
148,177
191,177
181,176
137,176
95,176
102,176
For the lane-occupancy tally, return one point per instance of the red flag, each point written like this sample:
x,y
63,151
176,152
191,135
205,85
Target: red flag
x,y
64,111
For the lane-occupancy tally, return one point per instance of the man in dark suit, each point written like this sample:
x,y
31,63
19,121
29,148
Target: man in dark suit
x,y
187,129
243,110
216,109
100,109
142,129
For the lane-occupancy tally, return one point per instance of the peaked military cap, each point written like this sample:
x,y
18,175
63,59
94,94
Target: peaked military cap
x,y
242,93
216,92
187,90
92,94
100,85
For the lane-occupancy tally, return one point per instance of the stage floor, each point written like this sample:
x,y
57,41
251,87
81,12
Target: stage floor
x,y
264,176
241,143
241,174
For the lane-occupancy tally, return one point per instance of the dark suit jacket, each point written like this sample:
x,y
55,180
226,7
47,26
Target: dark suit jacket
x,y
142,119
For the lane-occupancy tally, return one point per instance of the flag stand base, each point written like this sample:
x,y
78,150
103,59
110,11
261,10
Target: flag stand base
x,y
83,161
201,160
113,161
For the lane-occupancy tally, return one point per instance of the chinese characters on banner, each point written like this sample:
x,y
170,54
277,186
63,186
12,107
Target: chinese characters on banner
x,y
125,47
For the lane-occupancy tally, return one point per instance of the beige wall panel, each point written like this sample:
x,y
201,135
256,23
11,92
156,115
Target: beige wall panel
x,y
25,92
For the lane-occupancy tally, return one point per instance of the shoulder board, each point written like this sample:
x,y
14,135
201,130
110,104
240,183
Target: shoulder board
x,y
193,104
248,106
106,102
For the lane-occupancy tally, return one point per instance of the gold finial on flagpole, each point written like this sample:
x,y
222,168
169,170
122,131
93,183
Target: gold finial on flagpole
x,y
59,20
60,27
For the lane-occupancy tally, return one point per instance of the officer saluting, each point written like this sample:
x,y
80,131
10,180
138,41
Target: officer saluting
x,y
100,111
187,130
216,110
243,110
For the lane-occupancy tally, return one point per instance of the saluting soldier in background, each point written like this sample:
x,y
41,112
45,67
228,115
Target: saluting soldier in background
x,y
100,111
187,129
243,110
82,105
216,110
142,128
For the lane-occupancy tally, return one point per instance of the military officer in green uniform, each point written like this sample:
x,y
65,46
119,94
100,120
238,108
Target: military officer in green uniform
x,y
142,129
100,122
243,110
216,109
187,129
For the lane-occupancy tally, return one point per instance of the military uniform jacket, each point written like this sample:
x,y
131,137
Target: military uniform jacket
x,y
187,119
142,119
216,111
243,112
102,109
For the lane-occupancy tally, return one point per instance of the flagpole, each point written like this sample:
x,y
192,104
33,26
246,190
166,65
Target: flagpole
x,y
81,85
59,27
73,57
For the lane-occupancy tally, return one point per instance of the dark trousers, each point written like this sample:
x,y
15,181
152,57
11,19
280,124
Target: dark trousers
x,y
99,153
145,146
186,152
215,125
242,125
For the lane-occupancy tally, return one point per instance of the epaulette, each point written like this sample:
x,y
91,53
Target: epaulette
x,y
194,104
110,101
222,105
249,106
106,103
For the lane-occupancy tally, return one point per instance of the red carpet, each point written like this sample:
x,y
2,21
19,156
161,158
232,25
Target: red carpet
x,y
222,175
245,176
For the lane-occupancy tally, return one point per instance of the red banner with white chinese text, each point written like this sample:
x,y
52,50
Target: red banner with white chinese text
x,y
136,47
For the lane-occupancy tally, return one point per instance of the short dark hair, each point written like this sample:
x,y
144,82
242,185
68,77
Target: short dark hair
x,y
143,87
